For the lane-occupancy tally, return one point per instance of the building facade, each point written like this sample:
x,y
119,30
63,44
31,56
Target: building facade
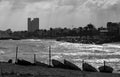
x,y
113,28
33,24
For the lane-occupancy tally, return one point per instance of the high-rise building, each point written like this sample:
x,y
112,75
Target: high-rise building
x,y
33,24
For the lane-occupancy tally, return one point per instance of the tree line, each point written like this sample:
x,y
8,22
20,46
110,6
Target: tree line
x,y
89,32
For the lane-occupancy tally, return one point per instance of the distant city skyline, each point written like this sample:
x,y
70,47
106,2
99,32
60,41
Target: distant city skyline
x,y
58,13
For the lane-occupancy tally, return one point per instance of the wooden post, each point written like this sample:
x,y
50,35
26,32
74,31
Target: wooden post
x,y
34,58
49,55
82,64
104,65
16,54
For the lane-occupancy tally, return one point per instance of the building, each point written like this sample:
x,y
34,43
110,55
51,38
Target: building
x,y
113,28
103,31
33,24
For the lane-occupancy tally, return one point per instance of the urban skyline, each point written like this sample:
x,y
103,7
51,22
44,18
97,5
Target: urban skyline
x,y
58,13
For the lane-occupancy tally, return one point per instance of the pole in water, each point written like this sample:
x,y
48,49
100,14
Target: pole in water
x,y
104,65
49,55
16,54
34,58
82,63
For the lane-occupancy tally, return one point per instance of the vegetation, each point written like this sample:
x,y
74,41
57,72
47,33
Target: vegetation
x,y
88,30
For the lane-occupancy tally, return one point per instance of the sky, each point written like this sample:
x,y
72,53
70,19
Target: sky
x,y
58,13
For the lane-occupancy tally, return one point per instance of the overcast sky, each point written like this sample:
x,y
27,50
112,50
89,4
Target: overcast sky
x,y
58,13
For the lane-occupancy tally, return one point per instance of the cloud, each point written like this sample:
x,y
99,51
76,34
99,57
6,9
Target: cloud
x,y
21,4
74,4
61,12
103,11
101,4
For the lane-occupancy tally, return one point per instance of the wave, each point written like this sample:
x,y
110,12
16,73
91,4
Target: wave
x,y
32,40
99,60
95,53
77,45
112,45
57,57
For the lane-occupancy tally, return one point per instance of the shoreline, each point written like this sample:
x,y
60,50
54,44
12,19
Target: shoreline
x,y
70,40
12,70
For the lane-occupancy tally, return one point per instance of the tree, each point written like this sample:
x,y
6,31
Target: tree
x,y
91,30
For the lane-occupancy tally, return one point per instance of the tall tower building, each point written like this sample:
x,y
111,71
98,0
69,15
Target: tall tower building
x,y
33,24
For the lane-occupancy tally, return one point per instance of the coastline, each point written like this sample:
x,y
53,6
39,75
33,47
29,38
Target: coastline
x,y
71,44
67,39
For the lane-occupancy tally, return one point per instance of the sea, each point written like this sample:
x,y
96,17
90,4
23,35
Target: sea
x,y
73,52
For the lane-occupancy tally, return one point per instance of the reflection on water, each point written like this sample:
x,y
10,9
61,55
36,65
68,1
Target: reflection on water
x,y
74,52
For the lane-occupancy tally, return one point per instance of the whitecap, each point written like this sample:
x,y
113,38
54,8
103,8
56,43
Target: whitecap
x,y
99,60
2,52
57,57
102,60
31,40
112,45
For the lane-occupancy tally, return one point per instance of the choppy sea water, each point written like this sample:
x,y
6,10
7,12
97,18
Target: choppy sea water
x,y
74,52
